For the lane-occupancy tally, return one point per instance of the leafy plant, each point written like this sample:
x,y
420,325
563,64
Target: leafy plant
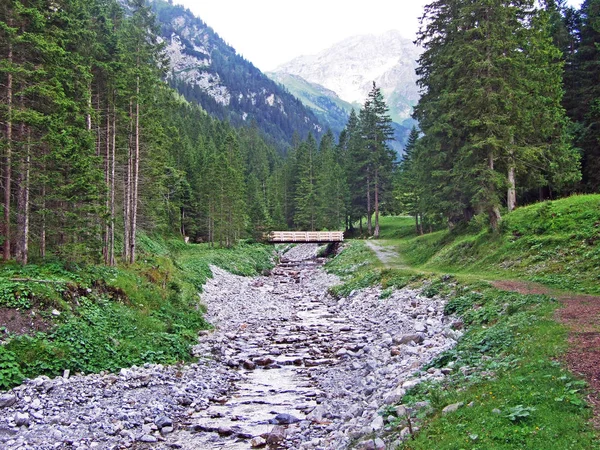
x,y
519,413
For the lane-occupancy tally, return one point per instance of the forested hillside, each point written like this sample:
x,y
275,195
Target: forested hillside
x,y
210,73
494,132
96,146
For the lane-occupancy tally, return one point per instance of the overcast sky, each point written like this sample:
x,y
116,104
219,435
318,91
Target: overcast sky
x,y
271,32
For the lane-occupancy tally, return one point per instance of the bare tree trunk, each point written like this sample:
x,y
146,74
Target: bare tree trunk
x,y
43,231
8,157
105,249
376,232
369,225
494,211
136,174
512,191
112,261
22,255
421,225
127,190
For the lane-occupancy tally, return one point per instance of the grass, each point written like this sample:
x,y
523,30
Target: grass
x,y
149,312
506,367
556,243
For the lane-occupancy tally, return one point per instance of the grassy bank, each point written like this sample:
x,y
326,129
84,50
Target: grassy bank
x,y
58,316
556,243
505,371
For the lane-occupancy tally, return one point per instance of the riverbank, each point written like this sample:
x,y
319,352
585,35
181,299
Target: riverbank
x,y
287,363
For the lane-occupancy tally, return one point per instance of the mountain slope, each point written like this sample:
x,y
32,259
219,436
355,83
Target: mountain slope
x,y
331,110
350,67
209,72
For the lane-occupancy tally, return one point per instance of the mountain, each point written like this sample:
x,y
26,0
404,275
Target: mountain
x,y
350,67
207,71
331,110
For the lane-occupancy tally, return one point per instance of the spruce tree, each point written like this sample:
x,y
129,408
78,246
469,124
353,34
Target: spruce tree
x,y
491,108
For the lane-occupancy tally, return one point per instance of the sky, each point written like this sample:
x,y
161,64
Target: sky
x,y
272,32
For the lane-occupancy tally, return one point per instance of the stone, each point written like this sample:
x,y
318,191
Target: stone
x,y
7,400
286,419
408,384
276,435
372,444
55,312
258,441
402,411
407,338
452,408
420,327
184,400
148,438
225,431
248,365
264,361
22,419
377,423
162,421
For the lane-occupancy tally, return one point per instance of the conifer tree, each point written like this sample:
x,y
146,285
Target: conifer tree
x,y
490,109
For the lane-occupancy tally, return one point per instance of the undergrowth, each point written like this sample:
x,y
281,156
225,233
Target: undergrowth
x,y
102,318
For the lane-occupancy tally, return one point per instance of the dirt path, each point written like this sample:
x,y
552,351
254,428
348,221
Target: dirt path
x,y
581,314
386,255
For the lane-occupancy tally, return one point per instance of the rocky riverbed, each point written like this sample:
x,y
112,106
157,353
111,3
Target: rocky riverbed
x,y
287,366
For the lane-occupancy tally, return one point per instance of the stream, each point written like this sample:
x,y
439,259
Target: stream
x,y
288,366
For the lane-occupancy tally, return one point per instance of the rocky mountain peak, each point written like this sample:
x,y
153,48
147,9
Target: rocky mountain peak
x,y
349,68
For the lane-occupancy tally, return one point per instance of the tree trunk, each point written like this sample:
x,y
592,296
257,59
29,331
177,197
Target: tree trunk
x,y
369,224
43,231
23,205
493,210
421,225
113,158
127,190
376,232
105,249
8,156
511,200
136,173
417,223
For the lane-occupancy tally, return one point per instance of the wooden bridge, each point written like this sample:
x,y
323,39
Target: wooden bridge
x,y
317,237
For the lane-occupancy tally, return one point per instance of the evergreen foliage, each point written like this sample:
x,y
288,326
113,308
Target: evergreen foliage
x,y
491,109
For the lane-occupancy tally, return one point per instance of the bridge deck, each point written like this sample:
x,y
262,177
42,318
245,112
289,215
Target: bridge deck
x,y
306,236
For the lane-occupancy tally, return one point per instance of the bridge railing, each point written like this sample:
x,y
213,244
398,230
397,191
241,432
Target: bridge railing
x,y
306,236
